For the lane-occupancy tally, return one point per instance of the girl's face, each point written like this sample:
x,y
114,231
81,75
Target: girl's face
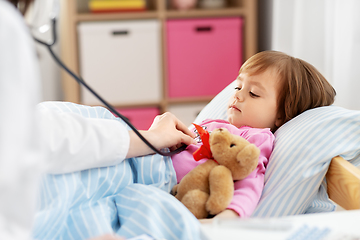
x,y
254,102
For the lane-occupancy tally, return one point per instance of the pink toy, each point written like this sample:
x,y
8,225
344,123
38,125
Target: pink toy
x,y
184,4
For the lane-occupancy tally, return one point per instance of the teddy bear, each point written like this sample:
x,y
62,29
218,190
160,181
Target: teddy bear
x,y
208,188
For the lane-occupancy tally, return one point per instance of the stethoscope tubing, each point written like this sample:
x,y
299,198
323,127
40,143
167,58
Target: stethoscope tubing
x,y
109,106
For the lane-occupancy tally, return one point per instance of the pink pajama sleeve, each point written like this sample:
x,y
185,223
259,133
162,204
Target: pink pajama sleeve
x,y
248,191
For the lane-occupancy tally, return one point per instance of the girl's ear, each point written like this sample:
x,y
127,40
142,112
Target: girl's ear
x,y
279,121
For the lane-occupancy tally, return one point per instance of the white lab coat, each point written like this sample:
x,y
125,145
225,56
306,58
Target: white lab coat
x,y
33,142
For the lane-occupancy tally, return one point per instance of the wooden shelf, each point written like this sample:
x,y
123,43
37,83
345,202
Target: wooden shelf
x,y
82,17
189,100
76,11
169,14
138,105
200,13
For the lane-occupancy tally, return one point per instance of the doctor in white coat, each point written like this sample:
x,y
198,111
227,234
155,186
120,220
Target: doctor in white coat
x,y
32,142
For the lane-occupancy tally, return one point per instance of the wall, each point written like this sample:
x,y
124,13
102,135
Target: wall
x,y
50,72
265,24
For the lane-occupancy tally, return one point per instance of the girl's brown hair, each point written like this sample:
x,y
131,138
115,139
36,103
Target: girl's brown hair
x,y
23,5
302,86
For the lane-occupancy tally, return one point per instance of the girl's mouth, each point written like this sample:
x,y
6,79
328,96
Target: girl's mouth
x,y
235,108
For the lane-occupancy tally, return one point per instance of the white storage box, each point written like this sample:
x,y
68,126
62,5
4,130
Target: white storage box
x,y
121,61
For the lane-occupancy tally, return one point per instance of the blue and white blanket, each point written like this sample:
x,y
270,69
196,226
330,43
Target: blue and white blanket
x,y
130,199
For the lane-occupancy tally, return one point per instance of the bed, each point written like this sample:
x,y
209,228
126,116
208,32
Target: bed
x,y
297,181
343,183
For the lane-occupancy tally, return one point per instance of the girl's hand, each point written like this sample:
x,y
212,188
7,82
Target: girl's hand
x,y
165,131
108,237
226,214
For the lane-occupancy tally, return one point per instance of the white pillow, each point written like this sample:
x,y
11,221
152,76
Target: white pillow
x,y
303,149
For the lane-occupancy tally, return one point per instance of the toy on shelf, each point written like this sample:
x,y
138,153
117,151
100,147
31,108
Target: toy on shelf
x,y
108,6
212,3
183,4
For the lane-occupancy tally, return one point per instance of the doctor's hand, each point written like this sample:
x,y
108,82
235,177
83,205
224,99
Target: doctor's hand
x,y
165,131
170,131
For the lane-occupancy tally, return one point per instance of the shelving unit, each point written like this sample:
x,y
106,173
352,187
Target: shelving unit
x,y
76,11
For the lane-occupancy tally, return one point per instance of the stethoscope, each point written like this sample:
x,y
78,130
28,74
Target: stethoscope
x,y
82,82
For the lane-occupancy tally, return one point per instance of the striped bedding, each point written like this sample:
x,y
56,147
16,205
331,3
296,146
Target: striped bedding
x,y
130,199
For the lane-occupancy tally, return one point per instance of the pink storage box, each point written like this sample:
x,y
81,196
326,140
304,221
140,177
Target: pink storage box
x,y
203,55
141,118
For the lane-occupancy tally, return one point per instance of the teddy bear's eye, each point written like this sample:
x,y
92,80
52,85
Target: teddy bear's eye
x,y
232,145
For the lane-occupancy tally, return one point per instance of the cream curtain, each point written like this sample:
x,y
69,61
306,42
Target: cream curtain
x,y
325,33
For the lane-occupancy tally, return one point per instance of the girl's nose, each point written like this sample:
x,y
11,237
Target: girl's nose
x,y
239,96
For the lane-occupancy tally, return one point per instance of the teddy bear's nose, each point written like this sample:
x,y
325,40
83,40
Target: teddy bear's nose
x,y
220,129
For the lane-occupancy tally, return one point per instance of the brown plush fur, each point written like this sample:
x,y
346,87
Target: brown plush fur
x,y
209,187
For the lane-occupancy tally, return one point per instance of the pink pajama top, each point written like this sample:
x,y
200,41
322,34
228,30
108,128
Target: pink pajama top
x,y
247,191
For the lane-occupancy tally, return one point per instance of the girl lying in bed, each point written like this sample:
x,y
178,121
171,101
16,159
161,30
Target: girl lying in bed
x,y
271,89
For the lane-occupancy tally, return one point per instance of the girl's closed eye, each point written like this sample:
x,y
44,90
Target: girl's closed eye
x,y
237,88
253,95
